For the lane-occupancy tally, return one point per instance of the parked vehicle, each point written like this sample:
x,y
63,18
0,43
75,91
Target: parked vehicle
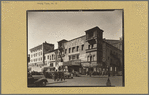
x,y
36,73
48,71
76,74
49,74
68,75
95,73
36,80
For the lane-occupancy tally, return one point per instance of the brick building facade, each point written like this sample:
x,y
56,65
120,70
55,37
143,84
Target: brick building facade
x,y
86,53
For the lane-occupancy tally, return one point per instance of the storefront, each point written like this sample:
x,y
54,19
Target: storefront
x,y
71,66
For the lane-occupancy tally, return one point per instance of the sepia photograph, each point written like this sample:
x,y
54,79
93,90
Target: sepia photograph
x,y
75,48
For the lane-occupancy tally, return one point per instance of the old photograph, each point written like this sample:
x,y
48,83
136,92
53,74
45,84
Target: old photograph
x,y
75,48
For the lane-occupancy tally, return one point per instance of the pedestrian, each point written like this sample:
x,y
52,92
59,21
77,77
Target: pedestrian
x,y
55,76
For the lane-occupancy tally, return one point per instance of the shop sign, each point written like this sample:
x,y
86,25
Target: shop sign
x,y
85,64
75,63
66,63
94,64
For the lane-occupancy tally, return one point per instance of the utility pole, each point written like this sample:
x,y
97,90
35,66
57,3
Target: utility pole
x,y
90,64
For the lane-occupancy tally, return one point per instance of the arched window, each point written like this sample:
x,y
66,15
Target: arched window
x,y
93,57
90,58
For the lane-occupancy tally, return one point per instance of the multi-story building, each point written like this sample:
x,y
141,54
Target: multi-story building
x,y
37,53
51,58
88,52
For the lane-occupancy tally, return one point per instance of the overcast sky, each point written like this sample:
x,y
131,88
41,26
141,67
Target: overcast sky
x,y
54,26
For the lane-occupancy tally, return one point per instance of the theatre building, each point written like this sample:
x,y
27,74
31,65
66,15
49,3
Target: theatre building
x,y
87,53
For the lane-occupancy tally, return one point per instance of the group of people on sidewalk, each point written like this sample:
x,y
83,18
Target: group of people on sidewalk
x,y
59,75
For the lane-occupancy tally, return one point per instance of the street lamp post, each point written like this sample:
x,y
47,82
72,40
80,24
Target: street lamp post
x,y
90,65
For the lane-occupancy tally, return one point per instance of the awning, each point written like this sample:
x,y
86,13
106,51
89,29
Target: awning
x,y
93,64
71,63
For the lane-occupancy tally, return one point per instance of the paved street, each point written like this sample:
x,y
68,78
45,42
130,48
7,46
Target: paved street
x,y
87,81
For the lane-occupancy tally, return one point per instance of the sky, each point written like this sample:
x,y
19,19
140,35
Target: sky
x,y
53,26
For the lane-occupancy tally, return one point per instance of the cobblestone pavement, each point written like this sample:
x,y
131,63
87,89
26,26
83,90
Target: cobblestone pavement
x,y
87,81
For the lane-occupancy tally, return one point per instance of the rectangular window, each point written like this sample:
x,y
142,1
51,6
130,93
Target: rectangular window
x,y
88,58
88,46
69,57
48,57
73,57
69,50
93,57
77,56
82,47
92,46
52,56
73,49
51,65
65,51
77,48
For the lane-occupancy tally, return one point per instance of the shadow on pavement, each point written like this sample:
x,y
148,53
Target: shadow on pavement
x,y
98,77
57,82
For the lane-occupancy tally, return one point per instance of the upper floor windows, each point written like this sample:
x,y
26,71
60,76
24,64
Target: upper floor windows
x,y
65,51
52,57
91,58
73,49
74,57
77,48
92,46
88,46
82,47
69,57
69,50
78,56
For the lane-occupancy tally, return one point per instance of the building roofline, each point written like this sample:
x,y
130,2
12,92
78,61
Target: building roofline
x,y
35,47
94,28
51,51
77,38
112,46
40,45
